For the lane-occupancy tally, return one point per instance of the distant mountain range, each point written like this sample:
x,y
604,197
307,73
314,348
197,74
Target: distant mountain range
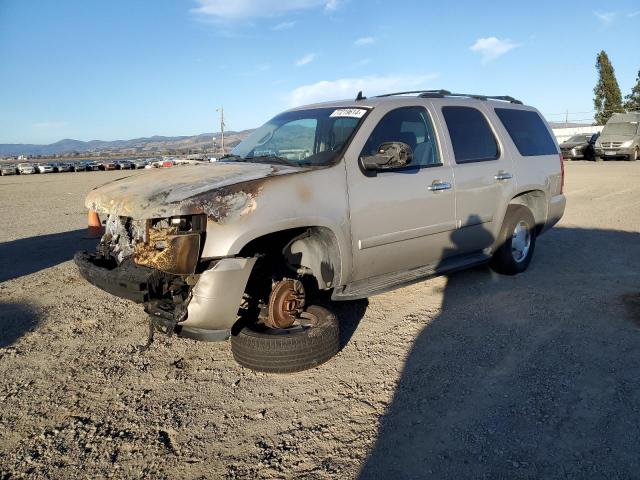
x,y
136,145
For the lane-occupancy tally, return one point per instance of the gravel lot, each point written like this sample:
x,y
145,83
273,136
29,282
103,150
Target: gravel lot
x,y
469,376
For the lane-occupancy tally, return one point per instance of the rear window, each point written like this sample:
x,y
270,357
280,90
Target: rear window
x,y
528,132
471,136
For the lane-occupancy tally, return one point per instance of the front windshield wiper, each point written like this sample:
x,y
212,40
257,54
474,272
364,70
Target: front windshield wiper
x,y
271,159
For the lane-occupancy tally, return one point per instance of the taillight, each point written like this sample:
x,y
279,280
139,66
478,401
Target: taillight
x,y
561,174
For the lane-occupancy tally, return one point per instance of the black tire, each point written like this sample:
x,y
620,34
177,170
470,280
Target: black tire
x,y
504,260
288,351
634,156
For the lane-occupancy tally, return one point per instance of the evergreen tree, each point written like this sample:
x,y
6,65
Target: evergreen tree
x,y
608,98
632,103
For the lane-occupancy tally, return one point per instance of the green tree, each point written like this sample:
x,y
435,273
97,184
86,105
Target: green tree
x,y
608,98
632,103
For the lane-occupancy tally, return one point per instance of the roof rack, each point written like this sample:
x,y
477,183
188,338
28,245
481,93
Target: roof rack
x,y
447,93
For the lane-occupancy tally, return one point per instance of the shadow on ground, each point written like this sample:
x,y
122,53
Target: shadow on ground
x,y
16,320
30,255
532,376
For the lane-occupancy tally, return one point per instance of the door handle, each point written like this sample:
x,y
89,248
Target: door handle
x,y
503,175
438,186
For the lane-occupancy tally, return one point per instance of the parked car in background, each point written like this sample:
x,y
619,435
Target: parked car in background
x,y
61,167
92,166
44,168
123,164
138,163
153,164
579,146
107,165
25,168
78,166
420,186
7,169
620,138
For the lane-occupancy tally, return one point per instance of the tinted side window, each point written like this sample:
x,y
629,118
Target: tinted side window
x,y
410,125
528,132
471,135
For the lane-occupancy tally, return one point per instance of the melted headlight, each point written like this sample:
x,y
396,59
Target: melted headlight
x,y
171,245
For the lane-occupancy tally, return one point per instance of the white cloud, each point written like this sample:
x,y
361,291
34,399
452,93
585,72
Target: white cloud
x,y
491,48
283,26
49,125
349,87
606,18
633,14
332,5
308,58
228,10
361,42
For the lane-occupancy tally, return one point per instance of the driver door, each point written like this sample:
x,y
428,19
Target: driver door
x,y
401,218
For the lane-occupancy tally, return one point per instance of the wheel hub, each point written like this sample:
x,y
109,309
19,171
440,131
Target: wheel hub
x,y
285,303
520,242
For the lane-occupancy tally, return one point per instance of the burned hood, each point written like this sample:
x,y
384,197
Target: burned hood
x,y
222,191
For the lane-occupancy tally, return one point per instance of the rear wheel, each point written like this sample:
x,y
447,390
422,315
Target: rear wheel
x,y
517,241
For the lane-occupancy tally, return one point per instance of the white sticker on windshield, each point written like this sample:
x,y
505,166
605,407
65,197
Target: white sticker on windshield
x,y
348,112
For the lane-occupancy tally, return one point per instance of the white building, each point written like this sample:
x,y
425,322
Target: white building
x,y
564,131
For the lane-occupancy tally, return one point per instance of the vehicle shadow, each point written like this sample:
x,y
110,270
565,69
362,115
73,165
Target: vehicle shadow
x,y
16,319
29,255
349,314
531,376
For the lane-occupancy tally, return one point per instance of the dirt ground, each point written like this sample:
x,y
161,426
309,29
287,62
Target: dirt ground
x,y
475,375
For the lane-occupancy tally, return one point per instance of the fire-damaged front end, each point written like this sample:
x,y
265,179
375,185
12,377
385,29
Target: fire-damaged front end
x,y
156,262
151,250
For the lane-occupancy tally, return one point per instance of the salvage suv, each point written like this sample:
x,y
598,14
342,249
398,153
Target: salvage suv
x,y
352,197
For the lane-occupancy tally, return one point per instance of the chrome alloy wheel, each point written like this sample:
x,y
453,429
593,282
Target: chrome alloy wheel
x,y
520,242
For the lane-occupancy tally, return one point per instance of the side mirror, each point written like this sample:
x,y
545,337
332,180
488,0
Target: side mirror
x,y
390,155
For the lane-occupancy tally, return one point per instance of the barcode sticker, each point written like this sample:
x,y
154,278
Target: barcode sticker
x,y
348,112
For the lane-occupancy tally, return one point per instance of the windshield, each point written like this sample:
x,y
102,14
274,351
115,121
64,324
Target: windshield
x,y
579,138
302,137
620,129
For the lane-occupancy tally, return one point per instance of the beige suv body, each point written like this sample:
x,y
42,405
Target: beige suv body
x,y
361,196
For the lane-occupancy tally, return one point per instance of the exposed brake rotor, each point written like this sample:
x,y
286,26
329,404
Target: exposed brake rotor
x,y
285,303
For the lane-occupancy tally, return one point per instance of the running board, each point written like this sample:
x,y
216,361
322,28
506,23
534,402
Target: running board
x,y
390,281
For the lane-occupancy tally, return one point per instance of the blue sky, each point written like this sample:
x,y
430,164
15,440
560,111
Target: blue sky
x,y
123,69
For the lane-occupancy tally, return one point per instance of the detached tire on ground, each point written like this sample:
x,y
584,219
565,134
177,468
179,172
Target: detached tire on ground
x,y
291,350
517,241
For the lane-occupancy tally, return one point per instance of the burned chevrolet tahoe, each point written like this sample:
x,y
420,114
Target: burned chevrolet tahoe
x,y
353,197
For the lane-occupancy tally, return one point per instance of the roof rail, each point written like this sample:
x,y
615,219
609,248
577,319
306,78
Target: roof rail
x,y
440,93
447,93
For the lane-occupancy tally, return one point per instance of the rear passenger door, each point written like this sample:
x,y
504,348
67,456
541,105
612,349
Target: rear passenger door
x,y
483,171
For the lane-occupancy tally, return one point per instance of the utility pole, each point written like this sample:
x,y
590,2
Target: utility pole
x,y
566,118
221,110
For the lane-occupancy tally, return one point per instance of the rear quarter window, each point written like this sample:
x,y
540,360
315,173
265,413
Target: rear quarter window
x,y
528,132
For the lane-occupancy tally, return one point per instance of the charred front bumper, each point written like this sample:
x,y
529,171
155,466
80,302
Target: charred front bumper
x,y
126,280
158,264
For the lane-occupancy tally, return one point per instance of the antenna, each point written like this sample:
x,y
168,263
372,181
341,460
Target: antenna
x,y
360,96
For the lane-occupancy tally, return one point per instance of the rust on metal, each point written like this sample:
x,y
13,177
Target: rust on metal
x,y
225,192
168,252
285,303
